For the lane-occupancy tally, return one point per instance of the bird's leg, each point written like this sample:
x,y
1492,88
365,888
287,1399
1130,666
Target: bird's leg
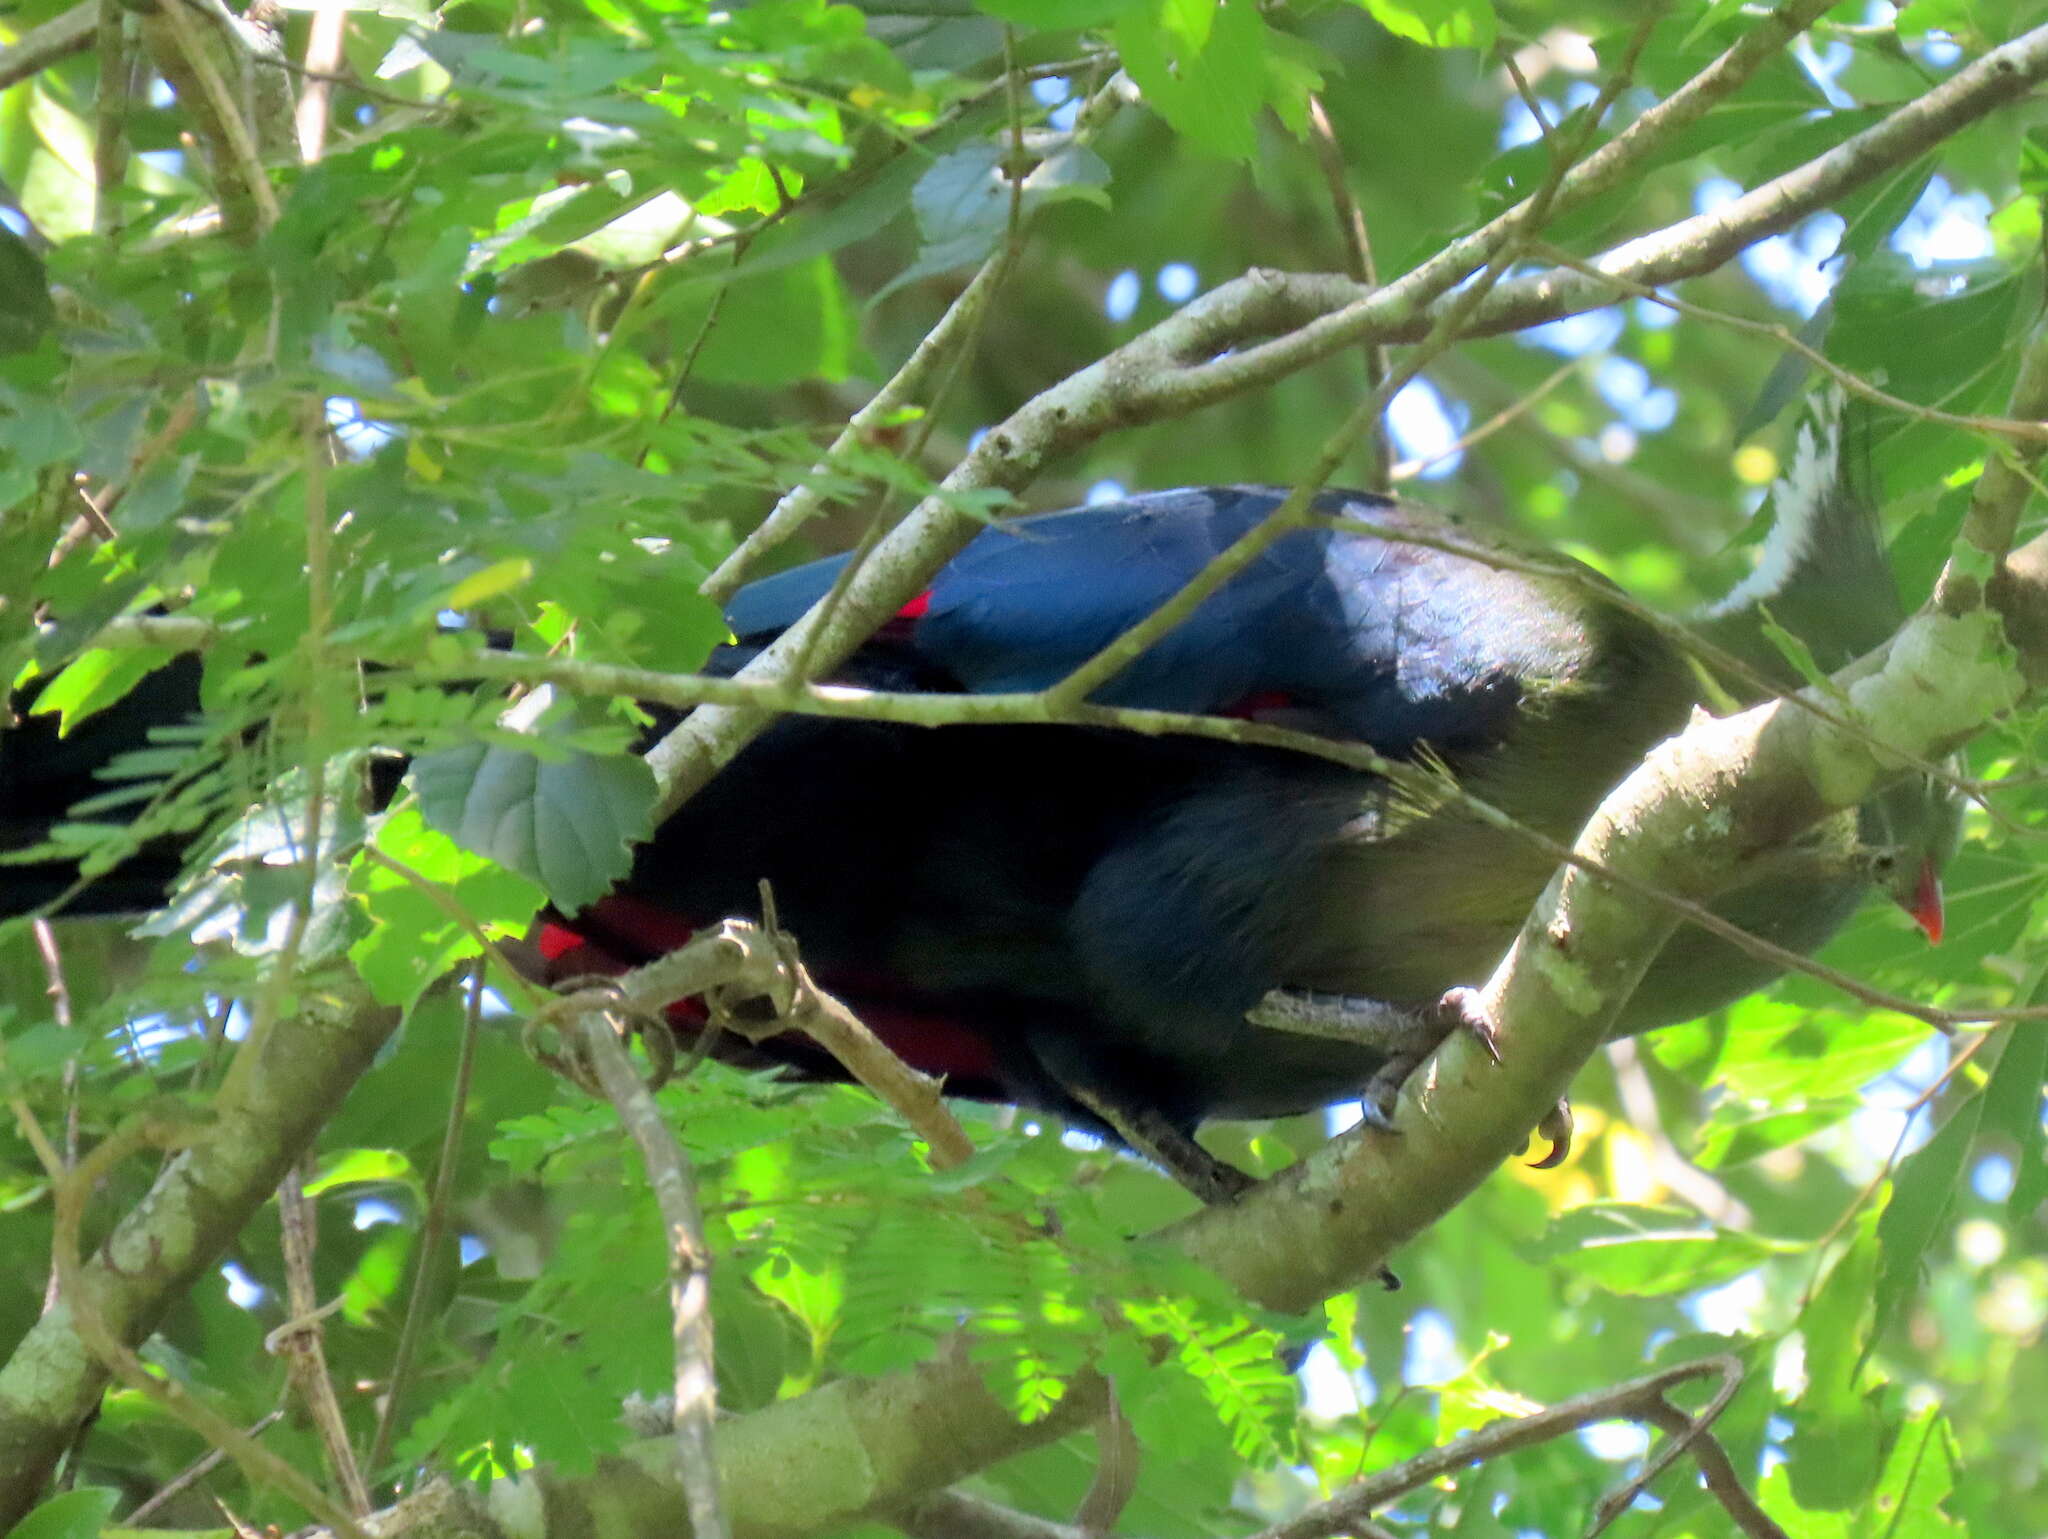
x,y
1146,1131
1168,1146
1402,1035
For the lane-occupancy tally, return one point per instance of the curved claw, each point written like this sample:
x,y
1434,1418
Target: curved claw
x,y
1557,1127
1459,1010
1376,1107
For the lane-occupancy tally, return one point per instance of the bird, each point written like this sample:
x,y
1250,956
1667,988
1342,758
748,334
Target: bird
x,y
1084,920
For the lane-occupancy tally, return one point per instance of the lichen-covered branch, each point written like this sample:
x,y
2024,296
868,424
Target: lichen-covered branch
x,y
266,1117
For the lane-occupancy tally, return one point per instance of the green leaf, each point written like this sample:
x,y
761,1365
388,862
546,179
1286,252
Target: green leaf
x,y
568,821
1838,1435
2012,1105
76,1514
2033,167
1057,15
413,937
1631,1249
1189,21
1716,12
861,213
1872,213
778,323
1918,1479
962,205
1735,1135
1212,94
1436,23
359,1167
94,680
1922,1193
1779,1055
1915,21
36,432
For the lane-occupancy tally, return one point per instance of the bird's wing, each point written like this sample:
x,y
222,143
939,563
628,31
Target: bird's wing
x,y
1358,635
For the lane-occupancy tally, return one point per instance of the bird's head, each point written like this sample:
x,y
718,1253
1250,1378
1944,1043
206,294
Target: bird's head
x,y
1909,831
1823,574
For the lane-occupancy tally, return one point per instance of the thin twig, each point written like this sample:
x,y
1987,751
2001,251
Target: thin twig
x,y
60,1011
238,163
1358,263
713,310
953,336
1890,1164
1699,525
1513,412
689,1263
2034,432
433,1227
1718,1470
1117,1458
1529,98
1633,1400
814,493
193,1473
1668,1163
738,960
1653,1407
299,1339
959,1515
157,1128
487,949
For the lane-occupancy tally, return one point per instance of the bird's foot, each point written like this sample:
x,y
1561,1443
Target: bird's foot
x,y
1406,1037
1459,1010
1557,1127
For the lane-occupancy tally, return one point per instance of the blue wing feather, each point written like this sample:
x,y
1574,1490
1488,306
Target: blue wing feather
x,y
1365,638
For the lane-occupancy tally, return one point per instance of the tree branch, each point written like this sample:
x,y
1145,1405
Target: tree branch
x,y
689,1267
1211,350
267,1116
51,42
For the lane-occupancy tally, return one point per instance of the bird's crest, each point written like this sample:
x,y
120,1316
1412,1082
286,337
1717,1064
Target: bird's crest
x,y
1805,500
1822,573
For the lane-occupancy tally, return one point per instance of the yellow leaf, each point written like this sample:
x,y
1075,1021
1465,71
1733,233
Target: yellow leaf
x,y
499,577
